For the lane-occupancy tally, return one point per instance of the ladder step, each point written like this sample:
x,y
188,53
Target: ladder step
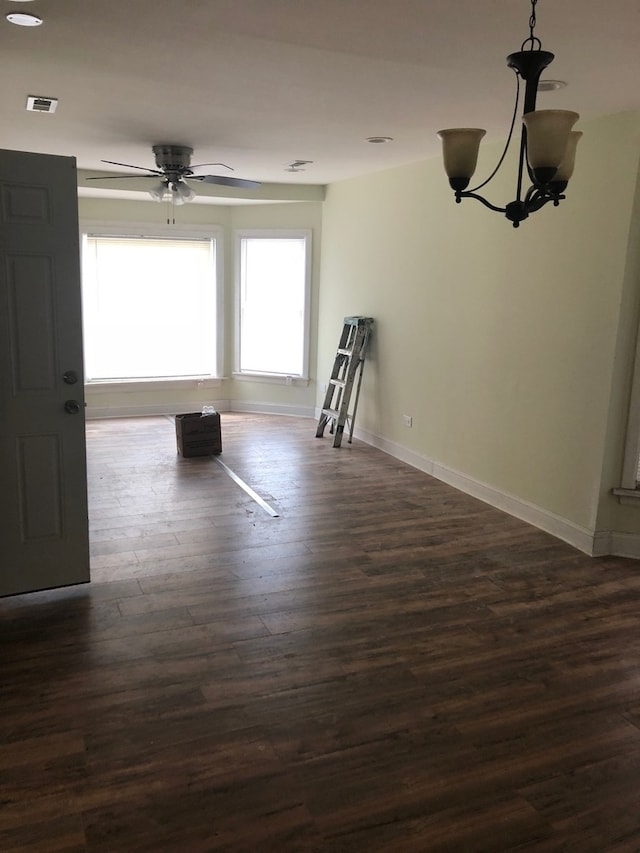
x,y
339,382
345,352
333,413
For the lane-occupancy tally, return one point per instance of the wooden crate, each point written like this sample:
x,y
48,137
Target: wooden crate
x,y
198,434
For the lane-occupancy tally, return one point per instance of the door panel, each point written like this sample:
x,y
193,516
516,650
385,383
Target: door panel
x,y
40,461
43,496
31,295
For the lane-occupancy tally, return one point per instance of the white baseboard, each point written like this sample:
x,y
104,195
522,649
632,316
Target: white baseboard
x,y
141,410
567,531
94,412
602,544
260,408
610,542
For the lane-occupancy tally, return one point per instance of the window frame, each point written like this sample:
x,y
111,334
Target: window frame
x,y
273,234
145,230
629,491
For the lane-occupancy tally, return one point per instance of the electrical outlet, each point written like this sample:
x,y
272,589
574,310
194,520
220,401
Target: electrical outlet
x,y
407,420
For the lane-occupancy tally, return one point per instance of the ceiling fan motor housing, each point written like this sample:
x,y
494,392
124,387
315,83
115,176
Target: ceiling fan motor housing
x,y
172,158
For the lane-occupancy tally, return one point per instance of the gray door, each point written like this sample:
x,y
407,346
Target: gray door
x,y
44,538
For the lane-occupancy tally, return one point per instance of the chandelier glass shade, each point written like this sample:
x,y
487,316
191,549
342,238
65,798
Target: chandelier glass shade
x,y
547,142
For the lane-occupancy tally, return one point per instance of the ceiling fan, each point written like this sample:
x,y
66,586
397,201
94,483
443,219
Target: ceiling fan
x,y
174,167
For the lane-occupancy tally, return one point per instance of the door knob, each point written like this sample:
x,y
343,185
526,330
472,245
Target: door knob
x,y
70,377
72,407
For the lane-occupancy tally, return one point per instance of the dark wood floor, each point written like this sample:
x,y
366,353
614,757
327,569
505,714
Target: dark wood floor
x,y
390,665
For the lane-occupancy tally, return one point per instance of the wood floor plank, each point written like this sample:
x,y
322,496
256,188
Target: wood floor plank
x,y
390,665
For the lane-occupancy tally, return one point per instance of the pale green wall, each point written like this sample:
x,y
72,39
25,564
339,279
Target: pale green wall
x,y
303,215
499,342
151,212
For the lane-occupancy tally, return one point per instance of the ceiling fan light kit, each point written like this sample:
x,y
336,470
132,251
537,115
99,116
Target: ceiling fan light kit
x,y
547,142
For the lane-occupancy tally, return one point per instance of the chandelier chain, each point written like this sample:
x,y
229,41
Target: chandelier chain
x,y
532,19
533,41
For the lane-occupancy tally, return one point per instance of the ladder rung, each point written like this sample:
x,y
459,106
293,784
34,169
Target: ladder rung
x,y
339,382
333,413
345,352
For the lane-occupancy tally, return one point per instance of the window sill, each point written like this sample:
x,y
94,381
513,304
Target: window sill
x,y
107,386
272,378
629,497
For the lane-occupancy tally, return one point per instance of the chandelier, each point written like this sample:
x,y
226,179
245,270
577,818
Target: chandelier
x,y
547,142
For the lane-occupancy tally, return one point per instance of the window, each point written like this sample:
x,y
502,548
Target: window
x,y
149,307
273,283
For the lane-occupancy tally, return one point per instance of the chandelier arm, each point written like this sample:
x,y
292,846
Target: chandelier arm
x,y
538,202
471,194
508,142
535,192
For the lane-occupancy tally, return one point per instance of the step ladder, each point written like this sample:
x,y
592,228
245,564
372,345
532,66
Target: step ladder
x,y
349,363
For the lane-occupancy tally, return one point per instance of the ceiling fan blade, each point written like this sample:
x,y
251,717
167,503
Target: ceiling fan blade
x,y
129,166
223,181
201,165
155,175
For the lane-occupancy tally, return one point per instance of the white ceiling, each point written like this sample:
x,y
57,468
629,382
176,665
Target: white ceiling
x,y
257,84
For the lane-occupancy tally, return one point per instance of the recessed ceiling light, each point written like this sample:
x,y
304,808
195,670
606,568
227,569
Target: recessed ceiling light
x,y
379,140
551,85
24,19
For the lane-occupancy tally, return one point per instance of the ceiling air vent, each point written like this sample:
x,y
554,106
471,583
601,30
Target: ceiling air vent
x,y
40,104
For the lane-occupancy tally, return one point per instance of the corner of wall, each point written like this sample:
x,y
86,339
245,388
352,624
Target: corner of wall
x,y
622,522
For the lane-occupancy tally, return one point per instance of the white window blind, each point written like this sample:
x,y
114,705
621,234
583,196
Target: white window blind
x,y
149,307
